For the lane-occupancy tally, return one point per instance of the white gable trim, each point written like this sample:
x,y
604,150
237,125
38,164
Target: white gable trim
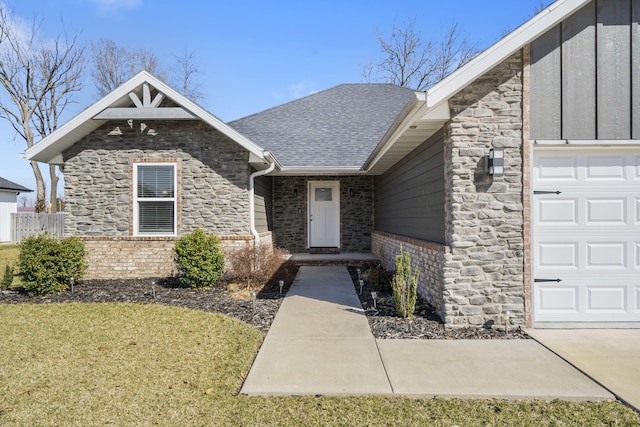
x,y
434,110
503,49
50,148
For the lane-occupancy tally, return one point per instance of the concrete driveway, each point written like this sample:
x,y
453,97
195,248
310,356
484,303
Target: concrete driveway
x,y
609,356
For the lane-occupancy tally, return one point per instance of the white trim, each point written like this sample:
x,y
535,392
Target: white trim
x,y
523,35
587,142
136,199
76,128
320,170
436,100
146,113
335,184
414,109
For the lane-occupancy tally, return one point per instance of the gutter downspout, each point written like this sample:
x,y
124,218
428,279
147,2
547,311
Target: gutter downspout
x,y
252,203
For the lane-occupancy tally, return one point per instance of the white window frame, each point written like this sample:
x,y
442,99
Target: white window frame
x,y
136,199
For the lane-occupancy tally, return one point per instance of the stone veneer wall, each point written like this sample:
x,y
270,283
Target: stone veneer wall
x,y
427,257
483,273
213,173
290,212
213,176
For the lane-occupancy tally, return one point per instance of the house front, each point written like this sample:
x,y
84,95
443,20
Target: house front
x,y
514,183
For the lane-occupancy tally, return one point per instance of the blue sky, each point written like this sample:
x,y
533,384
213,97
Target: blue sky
x,y
253,55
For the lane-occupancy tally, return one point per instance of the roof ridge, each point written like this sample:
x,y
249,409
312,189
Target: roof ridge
x,y
306,97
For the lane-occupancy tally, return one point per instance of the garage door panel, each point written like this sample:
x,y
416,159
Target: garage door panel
x,y
554,299
552,255
586,234
557,211
607,299
606,211
610,255
604,167
552,168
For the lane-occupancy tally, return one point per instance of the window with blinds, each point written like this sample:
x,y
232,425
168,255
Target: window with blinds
x,y
155,198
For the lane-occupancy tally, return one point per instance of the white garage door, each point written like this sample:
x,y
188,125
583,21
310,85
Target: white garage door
x,y
586,235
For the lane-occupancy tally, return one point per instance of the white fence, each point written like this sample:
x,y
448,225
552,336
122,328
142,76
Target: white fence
x,y
24,225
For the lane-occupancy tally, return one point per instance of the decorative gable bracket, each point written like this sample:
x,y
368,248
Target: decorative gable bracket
x,y
146,109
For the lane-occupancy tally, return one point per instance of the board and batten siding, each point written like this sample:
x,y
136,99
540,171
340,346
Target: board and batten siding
x,y
585,75
263,204
409,198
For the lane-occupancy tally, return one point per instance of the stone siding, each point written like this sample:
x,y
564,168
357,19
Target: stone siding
x,y
483,273
290,212
427,257
213,173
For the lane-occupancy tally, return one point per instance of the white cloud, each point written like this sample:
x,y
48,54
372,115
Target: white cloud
x,y
301,89
114,6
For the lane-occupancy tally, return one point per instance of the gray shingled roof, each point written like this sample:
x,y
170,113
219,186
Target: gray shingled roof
x,y
337,127
5,184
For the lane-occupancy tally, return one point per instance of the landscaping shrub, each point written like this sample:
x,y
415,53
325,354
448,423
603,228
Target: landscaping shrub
x,y
255,268
7,279
405,285
199,259
48,263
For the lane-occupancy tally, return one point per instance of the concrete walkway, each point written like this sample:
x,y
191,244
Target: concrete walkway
x,y
609,356
320,344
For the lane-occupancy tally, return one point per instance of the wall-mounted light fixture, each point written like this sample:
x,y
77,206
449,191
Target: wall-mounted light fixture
x,y
495,162
295,192
351,192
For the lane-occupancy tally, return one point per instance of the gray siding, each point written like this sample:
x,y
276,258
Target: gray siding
x,y
263,204
409,198
585,81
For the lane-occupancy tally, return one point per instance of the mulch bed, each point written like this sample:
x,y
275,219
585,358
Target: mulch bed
x,y
425,322
261,311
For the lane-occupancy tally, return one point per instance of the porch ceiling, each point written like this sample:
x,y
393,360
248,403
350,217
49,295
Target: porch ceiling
x,y
418,126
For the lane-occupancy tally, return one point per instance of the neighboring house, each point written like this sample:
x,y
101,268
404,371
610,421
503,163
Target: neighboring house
x,y
9,192
553,237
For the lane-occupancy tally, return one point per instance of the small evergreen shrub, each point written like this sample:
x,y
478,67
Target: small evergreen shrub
x,y
199,259
405,285
7,279
48,263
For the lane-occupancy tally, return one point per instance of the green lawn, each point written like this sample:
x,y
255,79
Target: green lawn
x,y
122,364
9,255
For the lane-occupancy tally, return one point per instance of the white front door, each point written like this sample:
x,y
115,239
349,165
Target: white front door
x,y
586,235
324,214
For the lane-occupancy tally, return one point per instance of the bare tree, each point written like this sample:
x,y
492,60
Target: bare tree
x,y
53,103
38,76
113,65
22,201
408,60
185,76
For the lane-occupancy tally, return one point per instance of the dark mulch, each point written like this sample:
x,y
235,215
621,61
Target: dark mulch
x,y
260,312
425,322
